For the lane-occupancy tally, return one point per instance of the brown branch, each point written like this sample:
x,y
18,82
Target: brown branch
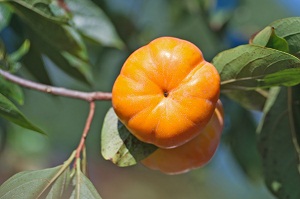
x,y
85,130
87,96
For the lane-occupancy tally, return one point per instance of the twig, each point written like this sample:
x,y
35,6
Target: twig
x,y
91,97
86,130
87,96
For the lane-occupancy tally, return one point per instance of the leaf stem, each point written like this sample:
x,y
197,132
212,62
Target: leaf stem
x,y
61,170
87,96
78,178
84,161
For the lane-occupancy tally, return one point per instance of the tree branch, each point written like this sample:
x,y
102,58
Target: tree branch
x,y
86,129
87,96
91,97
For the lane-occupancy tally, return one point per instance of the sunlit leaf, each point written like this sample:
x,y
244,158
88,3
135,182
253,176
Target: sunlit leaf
x,y
28,184
119,145
279,142
83,188
267,37
10,112
248,66
289,29
91,21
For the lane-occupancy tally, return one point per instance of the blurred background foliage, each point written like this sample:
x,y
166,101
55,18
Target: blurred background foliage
x,y
213,25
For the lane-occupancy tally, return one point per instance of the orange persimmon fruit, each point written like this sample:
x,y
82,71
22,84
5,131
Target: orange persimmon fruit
x,y
166,92
193,154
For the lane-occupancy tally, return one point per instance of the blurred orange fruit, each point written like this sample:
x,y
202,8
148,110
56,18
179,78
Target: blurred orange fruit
x,y
166,92
192,154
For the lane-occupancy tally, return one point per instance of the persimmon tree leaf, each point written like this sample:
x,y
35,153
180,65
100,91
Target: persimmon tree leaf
x,y
67,62
28,184
10,112
252,100
248,67
119,145
13,59
279,135
42,7
54,37
92,22
5,16
240,135
11,91
83,188
287,77
60,186
50,183
18,54
64,39
33,59
267,37
289,29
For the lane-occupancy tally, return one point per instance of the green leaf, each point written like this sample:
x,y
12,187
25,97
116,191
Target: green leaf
x,y
11,90
41,7
35,65
59,9
268,38
67,62
245,67
5,16
240,136
28,184
17,55
60,186
14,58
92,22
34,184
83,188
289,29
252,100
279,142
10,112
119,145
53,37
3,57
287,77
60,36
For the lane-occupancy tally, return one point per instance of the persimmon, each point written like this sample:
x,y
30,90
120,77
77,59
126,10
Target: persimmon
x,y
166,92
193,154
